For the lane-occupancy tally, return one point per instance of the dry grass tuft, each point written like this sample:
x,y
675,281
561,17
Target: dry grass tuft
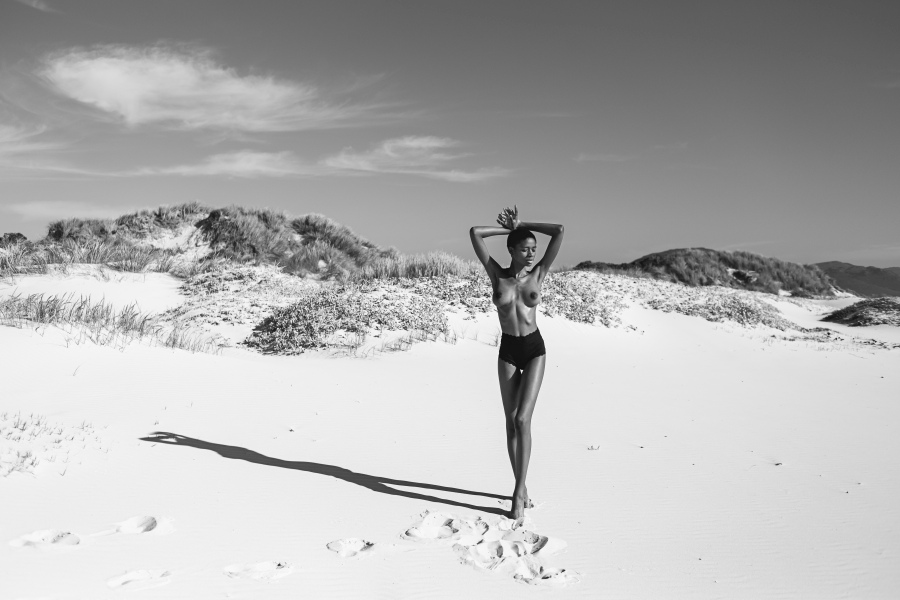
x,y
98,322
30,442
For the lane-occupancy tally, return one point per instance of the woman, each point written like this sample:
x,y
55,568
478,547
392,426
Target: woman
x,y
520,365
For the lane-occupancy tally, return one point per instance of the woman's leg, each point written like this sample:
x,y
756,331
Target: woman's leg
x,y
528,387
509,377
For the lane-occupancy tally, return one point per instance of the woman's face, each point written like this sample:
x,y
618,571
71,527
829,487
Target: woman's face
x,y
524,252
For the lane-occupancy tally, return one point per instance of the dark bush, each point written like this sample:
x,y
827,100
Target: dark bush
x,y
704,267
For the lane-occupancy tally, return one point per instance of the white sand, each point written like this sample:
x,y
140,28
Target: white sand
x,y
725,464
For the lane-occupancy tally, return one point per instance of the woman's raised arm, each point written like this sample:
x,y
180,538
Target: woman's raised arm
x,y
477,235
555,231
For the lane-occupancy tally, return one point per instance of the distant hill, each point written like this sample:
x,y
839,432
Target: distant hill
x,y
743,270
189,238
234,233
864,281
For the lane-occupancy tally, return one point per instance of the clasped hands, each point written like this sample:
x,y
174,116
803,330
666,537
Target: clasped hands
x,y
509,218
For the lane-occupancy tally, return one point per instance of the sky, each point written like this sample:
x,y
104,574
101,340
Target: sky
x,y
766,126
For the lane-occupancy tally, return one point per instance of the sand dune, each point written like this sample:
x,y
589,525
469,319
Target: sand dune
x,y
673,458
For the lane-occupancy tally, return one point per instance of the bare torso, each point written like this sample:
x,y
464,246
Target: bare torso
x,y
517,300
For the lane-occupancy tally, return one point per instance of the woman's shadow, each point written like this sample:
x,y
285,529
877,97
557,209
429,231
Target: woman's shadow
x,y
376,484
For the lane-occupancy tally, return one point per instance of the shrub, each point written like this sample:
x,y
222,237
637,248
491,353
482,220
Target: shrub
x,y
131,227
579,298
723,306
315,227
874,311
312,321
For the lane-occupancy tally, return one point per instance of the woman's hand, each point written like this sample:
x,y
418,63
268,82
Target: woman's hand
x,y
509,218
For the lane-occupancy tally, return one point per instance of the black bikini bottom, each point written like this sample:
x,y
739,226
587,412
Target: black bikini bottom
x,y
518,351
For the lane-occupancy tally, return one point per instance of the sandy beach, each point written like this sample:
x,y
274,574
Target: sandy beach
x,y
673,458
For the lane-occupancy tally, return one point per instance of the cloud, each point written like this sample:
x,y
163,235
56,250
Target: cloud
x,y
20,149
18,139
424,156
183,87
245,163
606,158
416,156
421,156
37,4
43,210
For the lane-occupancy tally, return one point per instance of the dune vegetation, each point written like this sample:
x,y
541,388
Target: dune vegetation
x,y
309,282
872,311
192,238
741,270
99,322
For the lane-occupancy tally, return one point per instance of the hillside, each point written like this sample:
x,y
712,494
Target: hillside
x,y
191,238
863,281
741,270
874,311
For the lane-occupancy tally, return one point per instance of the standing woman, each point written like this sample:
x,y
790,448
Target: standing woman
x,y
520,365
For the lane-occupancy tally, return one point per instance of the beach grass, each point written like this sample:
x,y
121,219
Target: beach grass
x,y
98,322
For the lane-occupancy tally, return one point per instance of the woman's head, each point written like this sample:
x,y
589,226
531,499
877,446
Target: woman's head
x,y
522,245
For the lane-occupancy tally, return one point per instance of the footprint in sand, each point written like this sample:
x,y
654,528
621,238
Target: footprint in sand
x,y
47,538
470,532
140,580
436,526
535,543
261,571
513,546
157,525
433,526
485,555
500,545
535,574
349,547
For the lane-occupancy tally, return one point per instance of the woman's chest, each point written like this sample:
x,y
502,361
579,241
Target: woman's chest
x,y
510,291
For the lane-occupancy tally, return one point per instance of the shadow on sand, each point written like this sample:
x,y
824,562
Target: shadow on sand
x,y
376,484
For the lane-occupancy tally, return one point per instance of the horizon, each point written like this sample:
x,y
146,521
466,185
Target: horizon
x,y
768,128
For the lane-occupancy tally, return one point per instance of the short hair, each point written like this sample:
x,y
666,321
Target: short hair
x,y
518,235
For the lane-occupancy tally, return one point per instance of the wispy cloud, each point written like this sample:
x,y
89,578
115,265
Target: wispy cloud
x,y
425,156
22,156
245,163
606,158
22,149
43,210
184,87
19,139
420,156
37,4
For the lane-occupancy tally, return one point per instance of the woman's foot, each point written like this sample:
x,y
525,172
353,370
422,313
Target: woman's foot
x,y
519,503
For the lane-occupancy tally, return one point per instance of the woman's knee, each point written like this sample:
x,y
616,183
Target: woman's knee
x,y
522,423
